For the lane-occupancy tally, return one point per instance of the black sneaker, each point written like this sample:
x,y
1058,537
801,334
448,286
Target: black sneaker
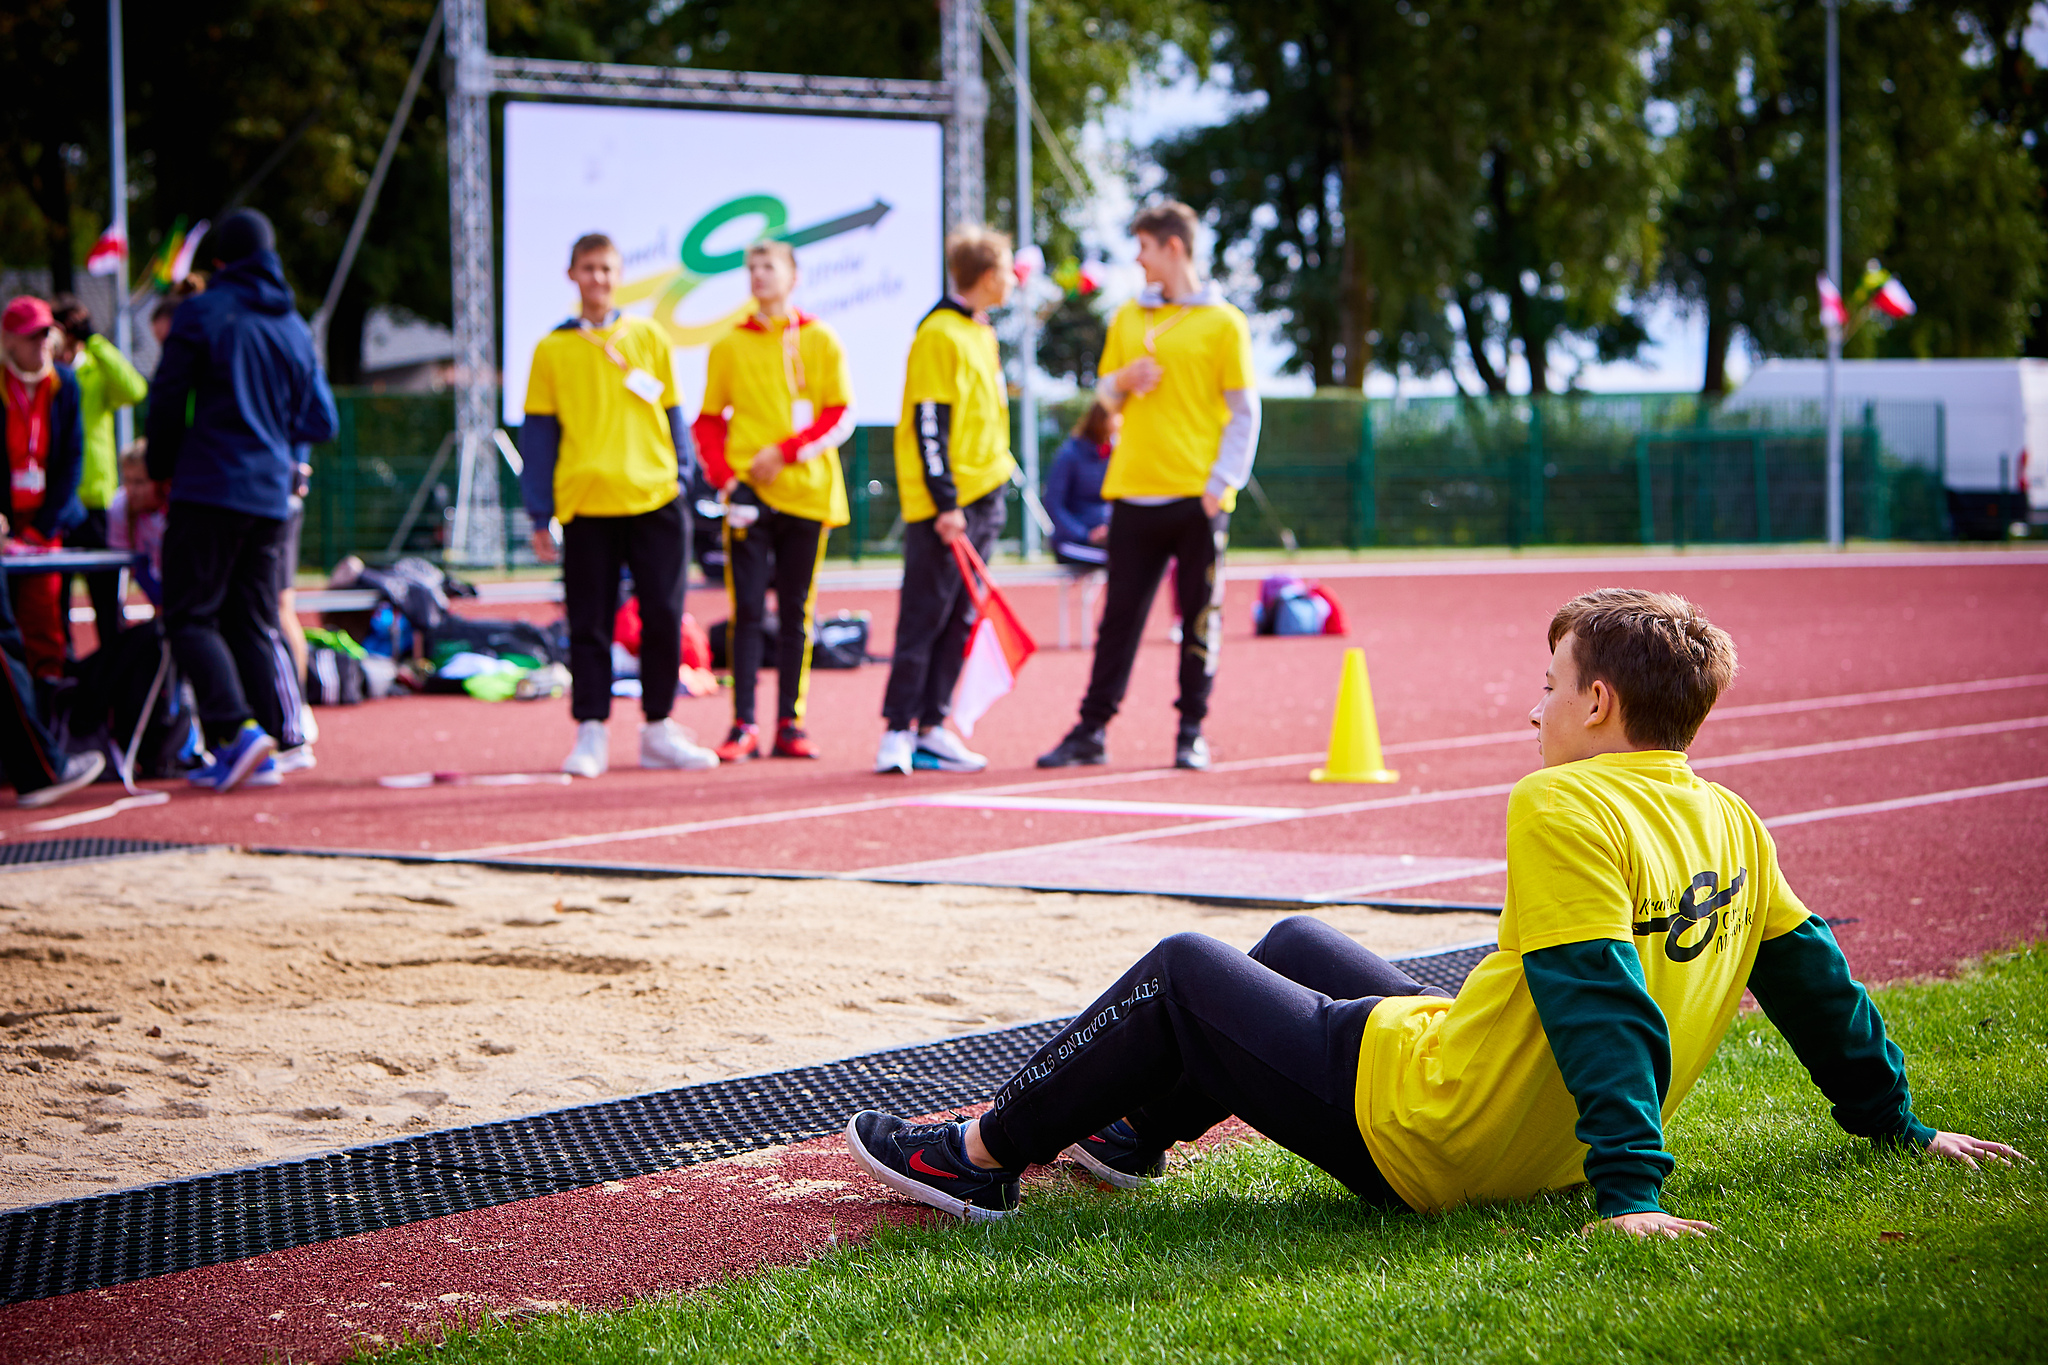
x,y
926,1162
1117,1156
1190,750
1081,747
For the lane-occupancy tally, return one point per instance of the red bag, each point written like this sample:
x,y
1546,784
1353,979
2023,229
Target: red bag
x,y
696,644
996,648
626,626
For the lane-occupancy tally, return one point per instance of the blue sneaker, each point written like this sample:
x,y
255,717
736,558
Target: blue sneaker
x,y
927,1162
1118,1156
247,754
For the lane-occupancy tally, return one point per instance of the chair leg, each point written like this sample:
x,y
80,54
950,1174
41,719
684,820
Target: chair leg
x,y
1064,584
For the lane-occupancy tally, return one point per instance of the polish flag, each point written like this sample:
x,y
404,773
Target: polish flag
x,y
1026,263
107,253
996,649
1090,278
1832,313
181,264
1894,301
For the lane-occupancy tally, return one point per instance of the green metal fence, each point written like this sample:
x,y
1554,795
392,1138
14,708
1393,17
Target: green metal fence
x,y
1335,471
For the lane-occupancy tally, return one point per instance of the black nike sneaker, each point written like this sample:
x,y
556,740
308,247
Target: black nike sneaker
x,y
928,1162
1190,750
1082,747
1117,1156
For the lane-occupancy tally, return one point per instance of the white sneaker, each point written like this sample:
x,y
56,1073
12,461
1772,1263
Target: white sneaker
x,y
896,752
295,760
592,754
952,756
80,770
665,744
309,726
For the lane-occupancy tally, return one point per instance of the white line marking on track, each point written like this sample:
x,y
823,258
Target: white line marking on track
x,y
1427,879
1807,817
1455,794
1240,765
1086,806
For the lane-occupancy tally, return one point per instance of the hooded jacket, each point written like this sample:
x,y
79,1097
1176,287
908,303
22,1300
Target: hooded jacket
x,y
241,361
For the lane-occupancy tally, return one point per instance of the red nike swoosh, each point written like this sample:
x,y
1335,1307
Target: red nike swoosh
x,y
918,1163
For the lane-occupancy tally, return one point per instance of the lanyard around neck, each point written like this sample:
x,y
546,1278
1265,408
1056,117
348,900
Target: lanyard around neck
x,y
792,354
586,329
1156,330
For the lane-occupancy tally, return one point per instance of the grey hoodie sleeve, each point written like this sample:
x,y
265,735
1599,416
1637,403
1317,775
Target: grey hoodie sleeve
x,y
1233,467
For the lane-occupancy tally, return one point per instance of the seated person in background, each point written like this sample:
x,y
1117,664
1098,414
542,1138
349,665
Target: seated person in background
x,y
1642,902
1073,491
135,516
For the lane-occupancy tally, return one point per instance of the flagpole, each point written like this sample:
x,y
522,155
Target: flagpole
x,y
117,117
1027,400
1834,330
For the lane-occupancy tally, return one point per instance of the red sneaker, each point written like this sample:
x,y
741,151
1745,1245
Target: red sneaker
x,y
741,743
792,742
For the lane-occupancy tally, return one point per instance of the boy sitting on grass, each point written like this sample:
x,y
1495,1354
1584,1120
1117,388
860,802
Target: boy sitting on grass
x,y
1641,902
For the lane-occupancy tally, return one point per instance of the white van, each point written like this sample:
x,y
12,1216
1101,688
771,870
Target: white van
x,y
1992,414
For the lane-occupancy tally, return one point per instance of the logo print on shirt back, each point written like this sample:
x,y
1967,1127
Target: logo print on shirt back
x,y
1700,903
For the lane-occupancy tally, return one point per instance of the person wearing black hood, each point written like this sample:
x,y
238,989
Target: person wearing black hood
x,y
237,390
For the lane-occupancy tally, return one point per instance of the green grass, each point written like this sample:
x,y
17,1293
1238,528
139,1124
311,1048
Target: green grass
x,y
1830,1251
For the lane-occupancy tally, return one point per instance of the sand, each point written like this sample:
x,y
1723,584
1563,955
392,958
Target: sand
x,y
179,1013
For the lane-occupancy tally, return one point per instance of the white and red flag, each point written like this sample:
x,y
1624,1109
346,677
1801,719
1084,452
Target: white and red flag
x,y
996,648
107,253
1832,312
1894,301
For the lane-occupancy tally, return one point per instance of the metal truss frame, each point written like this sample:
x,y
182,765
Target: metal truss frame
x,y
960,102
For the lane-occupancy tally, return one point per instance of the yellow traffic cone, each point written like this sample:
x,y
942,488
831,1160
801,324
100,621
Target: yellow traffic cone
x,y
1355,732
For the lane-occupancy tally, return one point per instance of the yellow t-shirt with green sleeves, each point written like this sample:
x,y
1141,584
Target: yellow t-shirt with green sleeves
x,y
752,375
617,457
1462,1099
1171,435
956,410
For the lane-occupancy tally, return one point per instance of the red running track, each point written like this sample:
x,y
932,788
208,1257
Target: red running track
x,y
1891,720
1882,680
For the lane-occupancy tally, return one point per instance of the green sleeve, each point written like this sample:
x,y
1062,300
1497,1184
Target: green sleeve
x,y
1613,1048
124,384
1802,981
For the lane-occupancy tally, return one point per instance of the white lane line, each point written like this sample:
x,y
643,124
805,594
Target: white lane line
x,y
1526,735
1807,817
1662,564
1467,741
1087,806
1455,794
1421,879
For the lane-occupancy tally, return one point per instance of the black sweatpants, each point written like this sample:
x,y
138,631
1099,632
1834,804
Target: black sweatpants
x,y
784,552
220,612
656,547
1197,1031
933,616
104,589
1143,540
29,756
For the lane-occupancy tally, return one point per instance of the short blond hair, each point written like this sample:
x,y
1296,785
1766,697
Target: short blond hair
x,y
971,252
773,246
1667,663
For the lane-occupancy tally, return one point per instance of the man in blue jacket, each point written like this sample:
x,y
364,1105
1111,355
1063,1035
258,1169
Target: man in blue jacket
x,y
237,389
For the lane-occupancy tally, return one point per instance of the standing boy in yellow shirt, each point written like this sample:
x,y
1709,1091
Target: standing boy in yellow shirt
x,y
952,467
778,397
606,451
1641,903
1178,366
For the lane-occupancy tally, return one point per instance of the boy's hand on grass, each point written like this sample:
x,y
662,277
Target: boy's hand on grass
x,y
1966,1149
1655,1223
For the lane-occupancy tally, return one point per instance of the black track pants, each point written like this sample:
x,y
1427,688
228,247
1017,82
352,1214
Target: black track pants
x,y
1197,1031
784,552
1143,540
933,617
656,546
220,613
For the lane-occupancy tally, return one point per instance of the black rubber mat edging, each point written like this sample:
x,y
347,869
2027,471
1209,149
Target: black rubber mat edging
x,y
109,1239
45,852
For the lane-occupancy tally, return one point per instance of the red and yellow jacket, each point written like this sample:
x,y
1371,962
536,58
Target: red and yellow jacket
x,y
782,383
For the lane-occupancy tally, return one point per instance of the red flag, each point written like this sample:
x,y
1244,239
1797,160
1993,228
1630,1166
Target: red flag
x,y
107,253
996,648
1894,301
1832,313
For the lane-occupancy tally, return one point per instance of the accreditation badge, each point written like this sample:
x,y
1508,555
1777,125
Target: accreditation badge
x,y
645,385
801,415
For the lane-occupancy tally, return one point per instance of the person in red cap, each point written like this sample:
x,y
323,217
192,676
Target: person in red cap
x,y
45,446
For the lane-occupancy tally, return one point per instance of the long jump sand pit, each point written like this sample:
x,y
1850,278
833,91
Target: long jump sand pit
x,y
180,1013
